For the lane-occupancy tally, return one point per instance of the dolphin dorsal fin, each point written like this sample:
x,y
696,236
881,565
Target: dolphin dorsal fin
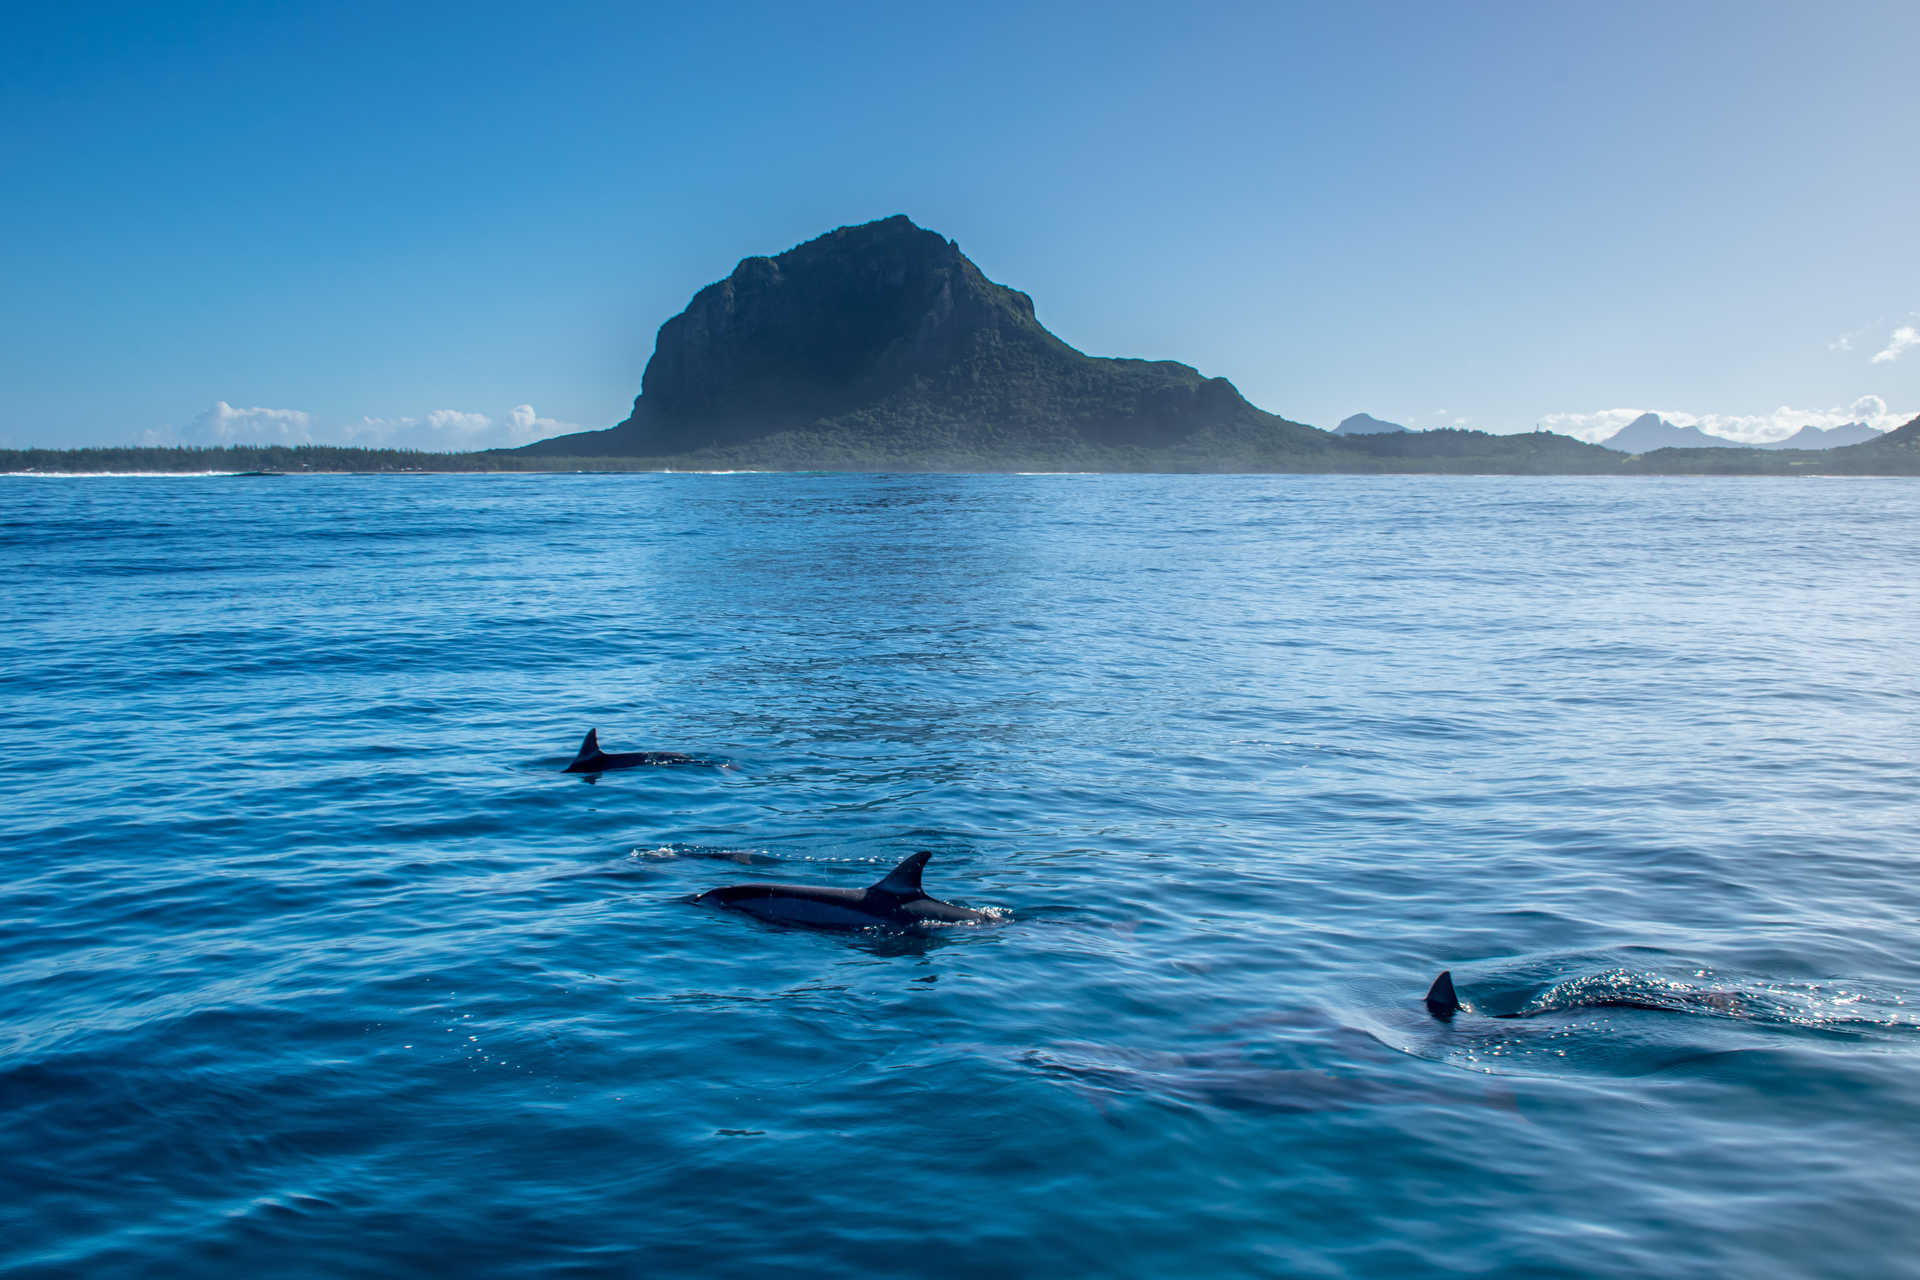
x,y
1441,1000
591,747
904,880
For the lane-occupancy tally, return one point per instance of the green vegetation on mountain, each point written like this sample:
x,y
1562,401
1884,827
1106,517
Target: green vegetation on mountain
x,y
1205,450
882,347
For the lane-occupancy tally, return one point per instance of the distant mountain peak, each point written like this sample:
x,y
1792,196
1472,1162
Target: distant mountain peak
x,y
1812,437
1650,431
1364,424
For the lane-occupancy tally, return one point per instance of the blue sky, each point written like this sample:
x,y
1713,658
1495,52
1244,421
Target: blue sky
x,y
446,225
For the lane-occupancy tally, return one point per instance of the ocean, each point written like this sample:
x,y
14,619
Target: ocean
x,y
313,962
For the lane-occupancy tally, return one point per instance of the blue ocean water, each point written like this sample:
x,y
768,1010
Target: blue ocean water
x,y
312,962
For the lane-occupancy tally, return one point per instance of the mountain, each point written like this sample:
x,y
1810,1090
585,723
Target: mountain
x,y
1361,424
1829,438
1458,451
882,344
1650,431
1895,452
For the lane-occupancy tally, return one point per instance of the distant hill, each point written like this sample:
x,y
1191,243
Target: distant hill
x,y
1825,438
1650,431
883,345
1361,424
1453,450
1895,452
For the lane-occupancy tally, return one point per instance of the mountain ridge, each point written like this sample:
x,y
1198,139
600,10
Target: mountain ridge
x,y
1650,431
880,346
1812,437
883,339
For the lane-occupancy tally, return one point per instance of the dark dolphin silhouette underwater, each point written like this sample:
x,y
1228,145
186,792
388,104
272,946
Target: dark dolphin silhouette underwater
x,y
1443,1001
896,901
593,760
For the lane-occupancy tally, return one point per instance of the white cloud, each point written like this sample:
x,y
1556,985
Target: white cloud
x,y
454,430
1842,343
454,424
376,433
528,426
437,430
1905,338
1753,428
1872,410
223,425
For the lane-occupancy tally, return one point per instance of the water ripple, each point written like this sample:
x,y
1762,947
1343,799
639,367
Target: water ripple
x,y
313,962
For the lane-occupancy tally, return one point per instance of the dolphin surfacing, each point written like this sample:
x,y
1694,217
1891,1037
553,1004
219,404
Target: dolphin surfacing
x,y
1443,1002
894,902
593,760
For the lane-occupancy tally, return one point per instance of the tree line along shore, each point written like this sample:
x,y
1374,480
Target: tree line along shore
x,y
1438,452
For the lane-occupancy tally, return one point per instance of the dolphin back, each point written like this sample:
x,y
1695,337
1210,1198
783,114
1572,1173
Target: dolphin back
x,y
895,900
904,880
593,760
589,752
815,906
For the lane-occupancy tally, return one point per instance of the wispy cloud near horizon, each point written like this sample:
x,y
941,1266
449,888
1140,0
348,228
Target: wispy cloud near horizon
x,y
437,430
1758,428
224,425
456,430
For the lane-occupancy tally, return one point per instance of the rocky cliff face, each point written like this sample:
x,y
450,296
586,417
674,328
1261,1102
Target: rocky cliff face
x,y
884,338
824,326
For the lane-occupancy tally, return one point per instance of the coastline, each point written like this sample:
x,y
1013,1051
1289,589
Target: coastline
x,y
1427,453
1798,471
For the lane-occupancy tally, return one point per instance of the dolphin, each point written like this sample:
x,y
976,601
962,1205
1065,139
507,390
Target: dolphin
x,y
896,901
593,760
1443,1002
